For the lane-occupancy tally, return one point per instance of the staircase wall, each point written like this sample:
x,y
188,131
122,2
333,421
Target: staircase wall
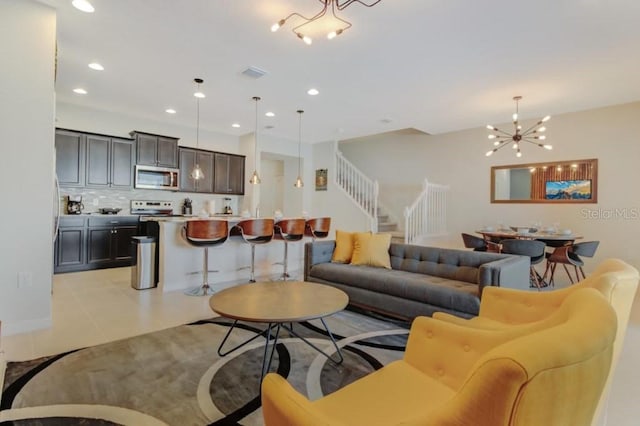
x,y
334,202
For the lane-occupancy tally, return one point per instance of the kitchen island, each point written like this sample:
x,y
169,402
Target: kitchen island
x,y
179,264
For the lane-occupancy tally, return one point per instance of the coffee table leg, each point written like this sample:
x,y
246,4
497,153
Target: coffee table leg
x,y
267,357
335,345
265,332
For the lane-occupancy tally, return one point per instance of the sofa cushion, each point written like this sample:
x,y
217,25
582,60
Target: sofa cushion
x,y
344,247
448,293
371,249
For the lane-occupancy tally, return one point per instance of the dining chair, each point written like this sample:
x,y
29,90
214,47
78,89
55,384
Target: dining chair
x,y
570,255
534,249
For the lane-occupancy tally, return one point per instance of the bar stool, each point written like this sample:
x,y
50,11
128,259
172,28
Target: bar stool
x,y
317,227
288,230
205,233
254,232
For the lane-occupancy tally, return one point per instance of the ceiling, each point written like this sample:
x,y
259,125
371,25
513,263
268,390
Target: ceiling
x,y
432,65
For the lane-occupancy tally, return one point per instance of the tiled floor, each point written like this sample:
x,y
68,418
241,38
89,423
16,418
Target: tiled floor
x,y
100,306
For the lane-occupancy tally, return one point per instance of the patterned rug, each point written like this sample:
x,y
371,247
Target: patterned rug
x,y
176,377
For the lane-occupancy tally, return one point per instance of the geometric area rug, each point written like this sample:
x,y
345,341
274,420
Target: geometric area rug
x,y
176,377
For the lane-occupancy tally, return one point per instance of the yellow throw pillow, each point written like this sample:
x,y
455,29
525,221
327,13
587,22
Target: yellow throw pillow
x,y
344,247
371,249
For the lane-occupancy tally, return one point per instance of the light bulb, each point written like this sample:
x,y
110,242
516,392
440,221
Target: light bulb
x,y
518,154
80,91
541,129
199,95
515,145
492,136
307,40
515,116
489,153
197,173
496,143
96,66
83,5
490,127
549,147
541,137
255,179
331,35
546,118
299,183
275,27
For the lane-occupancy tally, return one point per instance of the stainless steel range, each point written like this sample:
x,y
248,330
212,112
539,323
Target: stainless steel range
x,y
152,207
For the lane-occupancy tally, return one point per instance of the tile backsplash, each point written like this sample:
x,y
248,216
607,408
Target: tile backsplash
x,y
94,199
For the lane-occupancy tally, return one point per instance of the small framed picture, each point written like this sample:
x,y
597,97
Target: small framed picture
x,y
321,179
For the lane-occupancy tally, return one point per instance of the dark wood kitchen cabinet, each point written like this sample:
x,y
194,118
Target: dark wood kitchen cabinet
x,y
88,242
110,162
94,161
229,174
155,150
70,157
109,241
188,159
70,245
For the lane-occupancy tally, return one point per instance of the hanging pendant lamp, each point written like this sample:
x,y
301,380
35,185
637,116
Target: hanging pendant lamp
x,y
299,183
255,179
197,173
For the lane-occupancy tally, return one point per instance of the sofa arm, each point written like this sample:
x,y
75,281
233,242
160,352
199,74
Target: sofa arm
x,y
282,405
511,272
317,252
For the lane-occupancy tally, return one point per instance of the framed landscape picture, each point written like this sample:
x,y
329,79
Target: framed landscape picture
x,y
321,179
568,189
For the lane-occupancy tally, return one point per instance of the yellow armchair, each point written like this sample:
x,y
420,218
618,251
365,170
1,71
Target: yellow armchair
x,y
459,375
500,307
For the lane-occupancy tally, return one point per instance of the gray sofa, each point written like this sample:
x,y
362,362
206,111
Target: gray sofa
x,y
422,280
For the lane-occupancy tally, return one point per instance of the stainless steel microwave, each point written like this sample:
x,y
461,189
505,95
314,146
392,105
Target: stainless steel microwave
x,y
151,177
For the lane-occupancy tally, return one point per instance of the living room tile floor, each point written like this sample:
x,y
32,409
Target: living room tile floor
x,y
89,308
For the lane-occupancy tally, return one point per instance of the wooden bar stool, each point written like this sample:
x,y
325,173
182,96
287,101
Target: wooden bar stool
x,y
254,232
288,230
317,227
205,233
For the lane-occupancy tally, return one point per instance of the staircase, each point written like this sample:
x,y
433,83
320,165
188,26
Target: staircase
x,y
426,217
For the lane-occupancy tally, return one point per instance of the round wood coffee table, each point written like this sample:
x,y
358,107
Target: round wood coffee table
x,y
279,305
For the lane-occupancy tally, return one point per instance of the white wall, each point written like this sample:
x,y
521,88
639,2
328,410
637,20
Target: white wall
x,y
608,134
27,31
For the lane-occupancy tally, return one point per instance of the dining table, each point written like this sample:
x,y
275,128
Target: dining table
x,y
552,239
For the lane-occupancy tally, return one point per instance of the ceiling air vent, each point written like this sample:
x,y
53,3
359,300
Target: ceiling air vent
x,y
254,72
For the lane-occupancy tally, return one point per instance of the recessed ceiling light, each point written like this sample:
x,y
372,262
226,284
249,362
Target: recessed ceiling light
x,y
270,114
199,95
96,66
235,125
80,91
170,111
312,92
83,5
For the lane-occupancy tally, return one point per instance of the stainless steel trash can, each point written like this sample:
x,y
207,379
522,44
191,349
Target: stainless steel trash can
x,y
143,264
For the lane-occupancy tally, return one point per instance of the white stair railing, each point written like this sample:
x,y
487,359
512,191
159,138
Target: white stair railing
x,y
427,216
362,190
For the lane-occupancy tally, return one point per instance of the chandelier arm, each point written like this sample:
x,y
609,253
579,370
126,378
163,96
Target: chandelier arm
x,y
532,128
333,12
350,2
532,141
313,18
495,129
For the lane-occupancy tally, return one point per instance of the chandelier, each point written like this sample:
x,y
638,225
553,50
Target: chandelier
x,y
334,5
531,135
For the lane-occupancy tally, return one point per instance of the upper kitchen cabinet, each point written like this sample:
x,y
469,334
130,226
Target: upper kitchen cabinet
x,y
95,161
156,150
70,157
229,174
110,162
188,159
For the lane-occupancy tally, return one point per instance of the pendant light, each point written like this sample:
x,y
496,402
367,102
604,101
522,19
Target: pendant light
x,y
197,173
299,183
255,179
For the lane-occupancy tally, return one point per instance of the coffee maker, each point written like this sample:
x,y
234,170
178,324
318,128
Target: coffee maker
x,y
74,204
